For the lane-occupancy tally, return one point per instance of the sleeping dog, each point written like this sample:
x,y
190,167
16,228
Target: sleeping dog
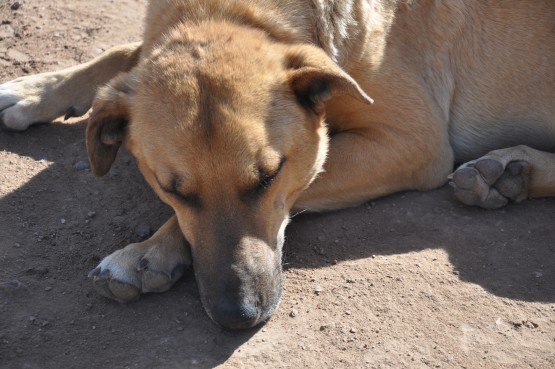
x,y
240,112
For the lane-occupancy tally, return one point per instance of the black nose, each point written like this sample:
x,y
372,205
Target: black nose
x,y
235,315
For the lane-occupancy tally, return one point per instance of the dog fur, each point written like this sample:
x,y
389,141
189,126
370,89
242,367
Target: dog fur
x,y
239,112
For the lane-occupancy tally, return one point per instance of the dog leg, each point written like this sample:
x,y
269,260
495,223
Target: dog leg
x,y
150,266
359,169
515,173
44,97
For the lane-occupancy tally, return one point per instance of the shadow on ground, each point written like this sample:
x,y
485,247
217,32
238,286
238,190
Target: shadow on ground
x,y
61,222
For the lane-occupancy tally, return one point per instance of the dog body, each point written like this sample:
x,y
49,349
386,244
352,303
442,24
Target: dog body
x,y
239,112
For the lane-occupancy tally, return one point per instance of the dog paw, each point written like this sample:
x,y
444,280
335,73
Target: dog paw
x,y
34,99
489,183
127,273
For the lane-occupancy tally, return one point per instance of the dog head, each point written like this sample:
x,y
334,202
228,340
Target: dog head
x,y
227,126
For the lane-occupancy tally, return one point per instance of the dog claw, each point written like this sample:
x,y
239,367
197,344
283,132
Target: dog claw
x,y
94,273
70,113
74,112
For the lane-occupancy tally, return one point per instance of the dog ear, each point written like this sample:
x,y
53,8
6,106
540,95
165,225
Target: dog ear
x,y
315,79
107,125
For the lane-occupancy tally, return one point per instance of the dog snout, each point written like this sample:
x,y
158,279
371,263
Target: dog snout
x,y
241,305
232,314
240,283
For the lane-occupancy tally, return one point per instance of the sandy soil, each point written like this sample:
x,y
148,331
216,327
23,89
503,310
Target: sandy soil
x,y
414,280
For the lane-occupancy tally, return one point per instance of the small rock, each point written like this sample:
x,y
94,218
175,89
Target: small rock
x,y
48,288
11,287
6,31
91,214
41,270
143,230
17,56
318,290
16,245
529,324
324,327
15,5
63,221
353,330
81,165
293,313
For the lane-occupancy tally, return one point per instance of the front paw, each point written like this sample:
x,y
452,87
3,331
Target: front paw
x,y
138,268
35,99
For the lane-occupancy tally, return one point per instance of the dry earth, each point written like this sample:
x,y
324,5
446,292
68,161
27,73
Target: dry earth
x,y
414,280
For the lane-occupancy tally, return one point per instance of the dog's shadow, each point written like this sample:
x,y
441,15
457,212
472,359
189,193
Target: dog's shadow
x,y
57,226
509,252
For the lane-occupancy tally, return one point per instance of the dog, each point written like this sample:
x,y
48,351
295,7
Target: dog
x,y
241,112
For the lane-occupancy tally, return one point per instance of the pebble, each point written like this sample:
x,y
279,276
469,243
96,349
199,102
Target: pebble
x,y
11,287
143,230
63,221
6,31
48,288
15,5
324,327
17,56
81,165
293,313
318,290
91,214
40,270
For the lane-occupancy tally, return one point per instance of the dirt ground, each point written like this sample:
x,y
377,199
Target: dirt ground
x,y
414,280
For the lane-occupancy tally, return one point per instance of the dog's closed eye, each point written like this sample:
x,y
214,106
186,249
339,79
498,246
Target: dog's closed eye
x,y
266,178
189,199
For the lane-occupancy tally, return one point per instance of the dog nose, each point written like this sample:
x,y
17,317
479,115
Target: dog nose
x,y
233,315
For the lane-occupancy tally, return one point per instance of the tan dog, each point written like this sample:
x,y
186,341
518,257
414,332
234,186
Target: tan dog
x,y
231,107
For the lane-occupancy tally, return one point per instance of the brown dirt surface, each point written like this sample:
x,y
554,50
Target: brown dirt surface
x,y
415,280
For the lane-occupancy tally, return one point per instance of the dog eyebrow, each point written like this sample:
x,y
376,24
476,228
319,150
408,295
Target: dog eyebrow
x,y
190,199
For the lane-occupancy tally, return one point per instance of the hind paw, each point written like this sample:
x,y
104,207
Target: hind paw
x,y
489,182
